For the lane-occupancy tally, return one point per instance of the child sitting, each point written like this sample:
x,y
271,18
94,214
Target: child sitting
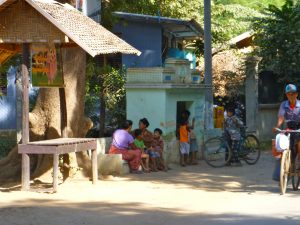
x,y
139,143
232,126
158,145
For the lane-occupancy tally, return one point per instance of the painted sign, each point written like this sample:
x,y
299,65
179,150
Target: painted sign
x,y
46,66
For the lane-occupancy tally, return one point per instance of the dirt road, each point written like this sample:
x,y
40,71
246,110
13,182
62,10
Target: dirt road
x,y
193,195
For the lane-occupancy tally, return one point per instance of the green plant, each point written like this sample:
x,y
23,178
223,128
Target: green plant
x,y
5,146
277,36
105,96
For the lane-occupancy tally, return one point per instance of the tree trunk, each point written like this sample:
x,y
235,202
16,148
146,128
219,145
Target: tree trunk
x,y
44,120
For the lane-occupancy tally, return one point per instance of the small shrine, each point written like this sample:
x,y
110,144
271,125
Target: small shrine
x,y
161,93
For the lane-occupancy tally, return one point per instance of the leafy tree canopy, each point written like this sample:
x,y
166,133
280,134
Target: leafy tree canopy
x,y
254,4
228,19
277,36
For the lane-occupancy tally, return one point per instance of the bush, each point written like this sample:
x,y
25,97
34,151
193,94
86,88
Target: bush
x,y
5,146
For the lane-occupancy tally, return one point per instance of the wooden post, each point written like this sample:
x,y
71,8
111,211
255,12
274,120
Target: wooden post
x,y
19,103
94,166
63,112
55,172
25,96
25,116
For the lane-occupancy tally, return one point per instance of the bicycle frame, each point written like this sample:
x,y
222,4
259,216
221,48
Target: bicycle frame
x,y
286,170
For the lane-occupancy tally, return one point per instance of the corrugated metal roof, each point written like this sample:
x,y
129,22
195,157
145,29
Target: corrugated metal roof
x,y
85,32
185,29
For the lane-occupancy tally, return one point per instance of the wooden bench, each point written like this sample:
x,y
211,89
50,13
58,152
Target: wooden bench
x,y
56,147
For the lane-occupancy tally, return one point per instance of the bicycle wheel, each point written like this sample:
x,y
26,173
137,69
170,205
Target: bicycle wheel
x,y
216,152
296,174
284,170
251,149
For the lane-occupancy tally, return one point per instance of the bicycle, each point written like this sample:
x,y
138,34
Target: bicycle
x,y
289,167
217,151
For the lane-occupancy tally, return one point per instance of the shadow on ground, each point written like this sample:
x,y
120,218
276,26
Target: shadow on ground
x,y
248,178
39,212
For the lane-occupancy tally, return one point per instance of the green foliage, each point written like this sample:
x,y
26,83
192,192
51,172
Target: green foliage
x,y
228,20
110,82
278,37
254,4
5,146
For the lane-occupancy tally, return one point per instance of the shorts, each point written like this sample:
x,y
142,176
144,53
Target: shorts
x,y
194,145
152,154
184,148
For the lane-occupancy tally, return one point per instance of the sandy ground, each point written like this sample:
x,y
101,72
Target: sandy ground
x,y
191,195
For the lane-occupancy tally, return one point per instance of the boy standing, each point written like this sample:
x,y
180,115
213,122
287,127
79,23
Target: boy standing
x,y
232,125
184,143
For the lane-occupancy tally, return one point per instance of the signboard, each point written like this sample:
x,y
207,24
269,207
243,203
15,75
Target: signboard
x,y
46,66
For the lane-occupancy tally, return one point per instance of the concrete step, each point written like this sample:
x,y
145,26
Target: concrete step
x,y
112,164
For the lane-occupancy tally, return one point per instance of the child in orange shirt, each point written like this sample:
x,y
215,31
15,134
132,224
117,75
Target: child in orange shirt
x,y
184,142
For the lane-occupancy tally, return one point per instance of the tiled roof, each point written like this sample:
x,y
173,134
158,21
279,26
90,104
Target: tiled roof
x,y
85,32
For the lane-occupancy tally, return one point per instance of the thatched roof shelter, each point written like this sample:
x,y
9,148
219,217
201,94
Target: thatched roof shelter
x,y
47,21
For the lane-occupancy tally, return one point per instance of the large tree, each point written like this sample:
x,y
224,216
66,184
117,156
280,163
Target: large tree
x,y
277,36
44,119
228,20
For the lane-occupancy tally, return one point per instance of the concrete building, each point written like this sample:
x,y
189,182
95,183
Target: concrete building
x,y
160,94
156,37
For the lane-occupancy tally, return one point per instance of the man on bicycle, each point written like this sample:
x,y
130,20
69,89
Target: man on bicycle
x,y
289,112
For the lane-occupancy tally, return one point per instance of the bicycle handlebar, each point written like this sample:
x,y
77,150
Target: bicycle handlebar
x,y
287,131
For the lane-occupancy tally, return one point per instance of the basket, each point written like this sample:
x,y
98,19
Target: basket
x,y
275,153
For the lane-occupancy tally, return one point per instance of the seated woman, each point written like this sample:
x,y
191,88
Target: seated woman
x,y
148,140
122,143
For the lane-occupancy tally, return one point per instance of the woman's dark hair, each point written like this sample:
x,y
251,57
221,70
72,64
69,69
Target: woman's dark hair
x,y
158,130
126,124
145,122
137,132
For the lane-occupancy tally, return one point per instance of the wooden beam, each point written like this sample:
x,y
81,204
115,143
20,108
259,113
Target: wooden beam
x,y
69,45
25,116
25,97
63,112
11,47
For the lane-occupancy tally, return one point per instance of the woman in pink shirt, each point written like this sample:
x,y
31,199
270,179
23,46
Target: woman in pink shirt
x,y
122,143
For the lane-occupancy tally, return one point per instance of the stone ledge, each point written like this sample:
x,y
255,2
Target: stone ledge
x,y
112,164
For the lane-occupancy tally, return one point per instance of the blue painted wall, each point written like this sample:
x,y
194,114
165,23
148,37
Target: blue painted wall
x,y
8,103
147,38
